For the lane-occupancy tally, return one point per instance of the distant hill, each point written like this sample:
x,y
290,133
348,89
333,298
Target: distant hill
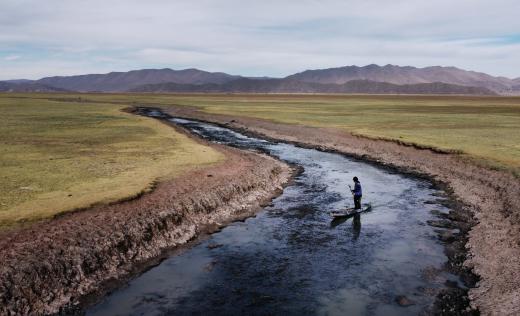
x,y
26,86
348,79
123,81
406,75
245,85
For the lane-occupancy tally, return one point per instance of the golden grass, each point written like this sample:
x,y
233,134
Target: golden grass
x,y
486,129
58,156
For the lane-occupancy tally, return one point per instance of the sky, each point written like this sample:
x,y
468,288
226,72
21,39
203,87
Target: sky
x,y
255,38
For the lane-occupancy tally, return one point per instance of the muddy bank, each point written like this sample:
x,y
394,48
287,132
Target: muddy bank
x,y
51,266
488,204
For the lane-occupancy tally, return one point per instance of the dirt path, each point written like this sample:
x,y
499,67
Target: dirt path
x,y
49,267
493,197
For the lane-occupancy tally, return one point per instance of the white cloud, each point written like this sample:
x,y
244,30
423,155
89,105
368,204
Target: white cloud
x,y
256,37
12,57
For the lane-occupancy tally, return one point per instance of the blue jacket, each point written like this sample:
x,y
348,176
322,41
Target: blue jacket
x,y
357,189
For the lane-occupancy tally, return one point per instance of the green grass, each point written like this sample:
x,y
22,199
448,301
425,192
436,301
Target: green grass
x,y
486,129
58,156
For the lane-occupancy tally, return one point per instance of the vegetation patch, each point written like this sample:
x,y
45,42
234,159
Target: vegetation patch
x,y
61,155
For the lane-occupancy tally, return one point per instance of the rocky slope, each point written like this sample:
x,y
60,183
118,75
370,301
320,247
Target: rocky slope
x,y
49,267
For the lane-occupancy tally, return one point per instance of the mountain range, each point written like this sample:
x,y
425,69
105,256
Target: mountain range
x,y
389,79
245,85
123,81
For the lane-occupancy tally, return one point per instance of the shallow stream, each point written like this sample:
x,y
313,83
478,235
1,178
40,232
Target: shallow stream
x,y
292,258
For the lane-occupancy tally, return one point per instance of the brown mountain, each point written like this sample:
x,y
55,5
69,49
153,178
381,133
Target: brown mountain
x,y
349,79
122,81
245,85
26,86
406,75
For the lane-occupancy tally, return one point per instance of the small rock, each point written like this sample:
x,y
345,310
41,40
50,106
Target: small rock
x,y
213,246
208,267
403,301
451,284
441,223
439,213
447,236
430,274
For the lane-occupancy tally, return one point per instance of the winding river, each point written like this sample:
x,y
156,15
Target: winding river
x,y
292,258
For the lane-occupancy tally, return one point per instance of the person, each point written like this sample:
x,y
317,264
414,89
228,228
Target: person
x,y
357,193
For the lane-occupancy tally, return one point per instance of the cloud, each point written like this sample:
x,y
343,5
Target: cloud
x,y
268,37
12,57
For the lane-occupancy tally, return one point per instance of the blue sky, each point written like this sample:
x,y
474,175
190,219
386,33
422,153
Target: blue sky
x,y
255,38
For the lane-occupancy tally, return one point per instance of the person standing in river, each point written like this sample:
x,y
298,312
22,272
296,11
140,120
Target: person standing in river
x,y
357,193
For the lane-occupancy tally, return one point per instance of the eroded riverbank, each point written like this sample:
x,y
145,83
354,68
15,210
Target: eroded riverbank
x,y
493,197
293,259
51,266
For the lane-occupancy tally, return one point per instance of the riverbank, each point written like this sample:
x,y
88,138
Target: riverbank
x,y
492,197
49,267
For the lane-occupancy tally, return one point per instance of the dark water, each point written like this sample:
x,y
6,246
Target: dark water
x,y
292,259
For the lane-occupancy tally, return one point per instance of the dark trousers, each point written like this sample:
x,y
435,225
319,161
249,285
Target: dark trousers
x,y
357,202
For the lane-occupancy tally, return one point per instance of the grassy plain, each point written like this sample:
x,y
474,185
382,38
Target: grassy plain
x,y
59,155
485,129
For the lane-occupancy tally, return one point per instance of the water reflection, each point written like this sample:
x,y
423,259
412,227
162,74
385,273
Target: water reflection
x,y
356,224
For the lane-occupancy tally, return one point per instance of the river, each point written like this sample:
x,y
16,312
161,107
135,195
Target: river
x,y
292,258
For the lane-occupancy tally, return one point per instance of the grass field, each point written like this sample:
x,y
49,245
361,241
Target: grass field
x,y
486,129
58,156
59,152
